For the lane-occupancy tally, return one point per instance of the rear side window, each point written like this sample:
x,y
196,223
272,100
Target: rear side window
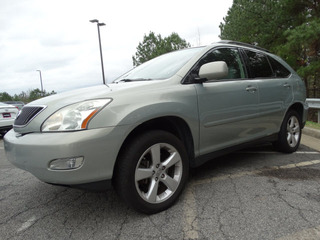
x,y
278,69
258,65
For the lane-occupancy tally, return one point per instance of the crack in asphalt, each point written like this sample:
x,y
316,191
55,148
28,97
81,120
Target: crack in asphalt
x,y
125,220
190,228
280,172
297,173
54,198
34,220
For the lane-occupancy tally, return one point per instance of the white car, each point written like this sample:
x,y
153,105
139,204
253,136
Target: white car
x,y
8,114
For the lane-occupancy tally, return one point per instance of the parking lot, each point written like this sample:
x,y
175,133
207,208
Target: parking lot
x,y
255,193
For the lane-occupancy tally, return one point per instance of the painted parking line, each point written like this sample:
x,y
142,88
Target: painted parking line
x,y
275,152
302,152
191,229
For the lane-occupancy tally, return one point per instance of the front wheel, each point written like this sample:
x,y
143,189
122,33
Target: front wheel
x,y
290,133
151,171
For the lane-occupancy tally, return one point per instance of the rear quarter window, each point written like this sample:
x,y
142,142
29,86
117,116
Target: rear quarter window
x,y
279,70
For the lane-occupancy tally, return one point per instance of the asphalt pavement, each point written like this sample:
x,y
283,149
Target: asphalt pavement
x,y
255,193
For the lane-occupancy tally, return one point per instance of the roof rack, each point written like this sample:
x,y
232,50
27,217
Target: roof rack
x,y
243,44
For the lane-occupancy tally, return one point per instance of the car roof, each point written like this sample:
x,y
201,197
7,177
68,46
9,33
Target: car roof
x,y
243,45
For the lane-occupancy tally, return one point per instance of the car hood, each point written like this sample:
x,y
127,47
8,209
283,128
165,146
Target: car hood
x,y
96,92
53,103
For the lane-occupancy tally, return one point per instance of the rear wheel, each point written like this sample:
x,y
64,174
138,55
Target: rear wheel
x,y
290,133
151,172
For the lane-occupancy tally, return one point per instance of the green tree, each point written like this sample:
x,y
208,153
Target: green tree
x,y
154,45
259,22
302,51
25,97
35,94
4,96
289,28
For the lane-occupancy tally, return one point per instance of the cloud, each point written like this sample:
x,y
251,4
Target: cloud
x,y
57,37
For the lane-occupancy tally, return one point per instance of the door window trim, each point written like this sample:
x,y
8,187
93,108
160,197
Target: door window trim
x,y
243,63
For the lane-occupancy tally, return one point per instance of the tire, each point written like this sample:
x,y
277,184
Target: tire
x,y
151,171
290,133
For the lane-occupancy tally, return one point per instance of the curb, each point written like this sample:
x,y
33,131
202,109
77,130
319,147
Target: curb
x,y
311,132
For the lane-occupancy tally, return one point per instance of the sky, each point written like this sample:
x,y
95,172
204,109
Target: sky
x,y
56,37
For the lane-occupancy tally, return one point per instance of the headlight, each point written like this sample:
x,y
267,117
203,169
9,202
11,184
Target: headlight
x,y
75,116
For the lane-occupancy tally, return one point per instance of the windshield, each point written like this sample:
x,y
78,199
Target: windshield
x,y
162,67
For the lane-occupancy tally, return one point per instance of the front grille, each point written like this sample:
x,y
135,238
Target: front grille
x,y
26,115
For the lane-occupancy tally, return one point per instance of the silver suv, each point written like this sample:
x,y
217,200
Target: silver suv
x,y
145,130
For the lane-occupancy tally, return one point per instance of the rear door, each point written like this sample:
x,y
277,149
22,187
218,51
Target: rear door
x,y
275,89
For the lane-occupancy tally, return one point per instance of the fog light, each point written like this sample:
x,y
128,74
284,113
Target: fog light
x,y
66,163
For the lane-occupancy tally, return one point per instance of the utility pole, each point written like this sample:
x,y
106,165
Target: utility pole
x,y
101,58
41,82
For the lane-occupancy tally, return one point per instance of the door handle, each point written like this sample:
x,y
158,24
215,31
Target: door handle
x,y
251,89
287,85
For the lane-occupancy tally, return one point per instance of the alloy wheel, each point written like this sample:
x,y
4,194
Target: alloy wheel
x,y
293,131
158,173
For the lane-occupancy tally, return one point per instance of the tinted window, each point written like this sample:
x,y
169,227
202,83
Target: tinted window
x,y
279,70
259,65
229,55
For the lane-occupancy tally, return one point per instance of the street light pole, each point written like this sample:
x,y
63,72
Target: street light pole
x,y
98,26
41,82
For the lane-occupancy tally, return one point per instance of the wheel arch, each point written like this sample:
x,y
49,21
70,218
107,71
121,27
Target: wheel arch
x,y
298,107
175,125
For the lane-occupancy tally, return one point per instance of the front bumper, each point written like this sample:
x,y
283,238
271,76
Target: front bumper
x,y
33,152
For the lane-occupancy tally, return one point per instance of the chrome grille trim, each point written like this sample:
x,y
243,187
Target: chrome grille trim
x,y
27,114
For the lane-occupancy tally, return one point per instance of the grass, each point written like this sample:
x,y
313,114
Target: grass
x,y
313,125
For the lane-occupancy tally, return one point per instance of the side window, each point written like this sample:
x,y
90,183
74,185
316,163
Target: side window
x,y
229,55
279,70
259,65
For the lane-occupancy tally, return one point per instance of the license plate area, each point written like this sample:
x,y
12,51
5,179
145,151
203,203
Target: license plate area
x,y
6,115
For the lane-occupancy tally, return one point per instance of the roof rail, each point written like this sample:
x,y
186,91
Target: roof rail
x,y
243,44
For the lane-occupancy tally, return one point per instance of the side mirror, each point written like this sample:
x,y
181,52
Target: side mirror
x,y
214,70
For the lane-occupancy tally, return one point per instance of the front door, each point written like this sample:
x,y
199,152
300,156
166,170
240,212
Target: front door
x,y
228,108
